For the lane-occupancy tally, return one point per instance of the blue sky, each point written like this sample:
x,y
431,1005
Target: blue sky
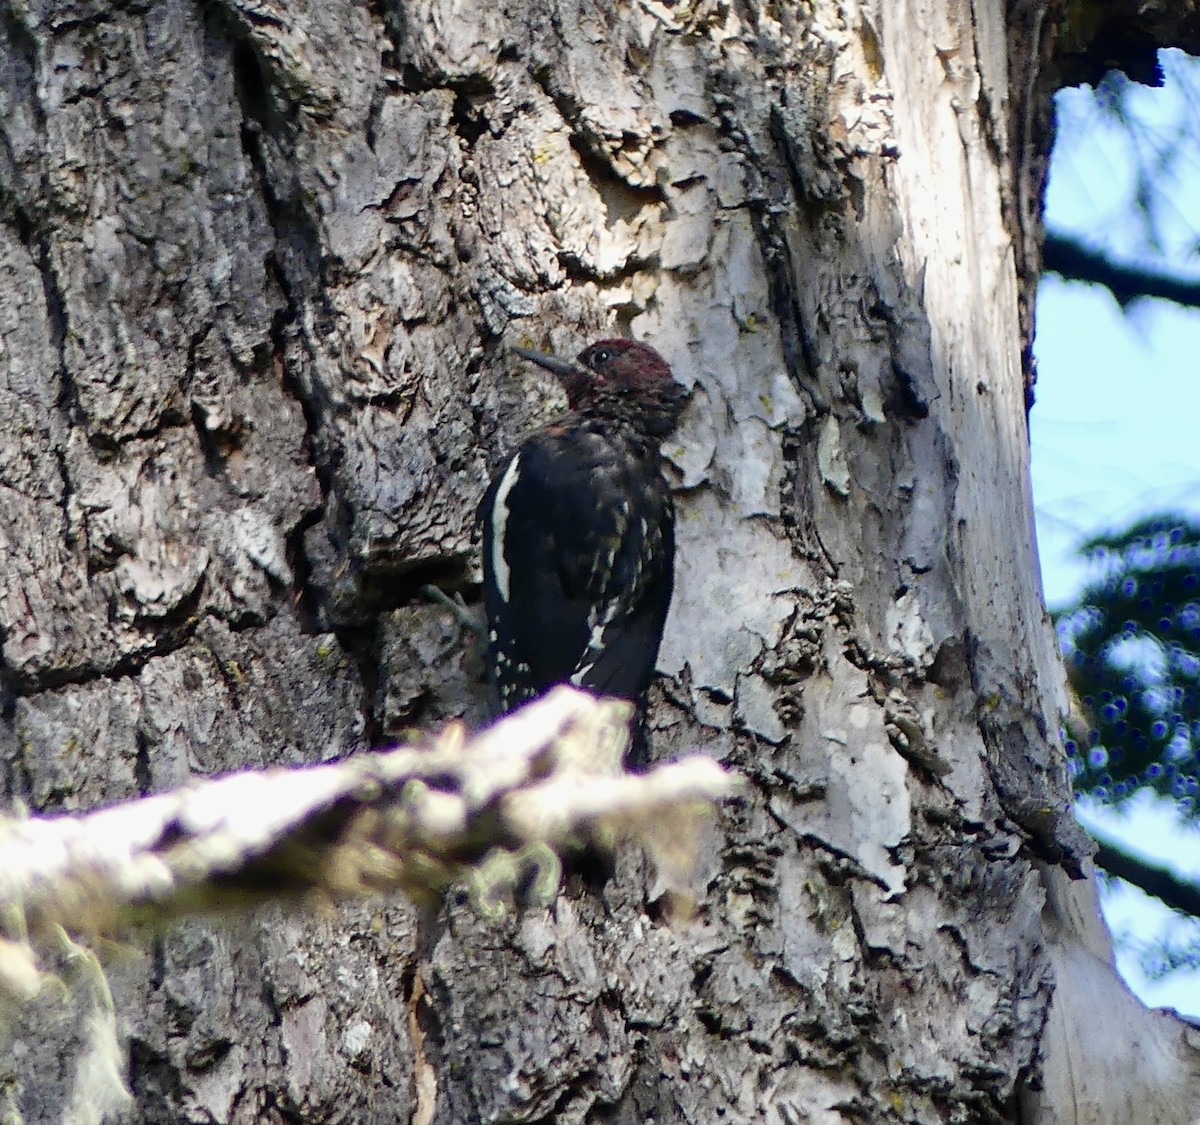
x,y
1115,432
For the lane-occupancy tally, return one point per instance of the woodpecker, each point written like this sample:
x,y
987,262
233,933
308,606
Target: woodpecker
x,y
579,532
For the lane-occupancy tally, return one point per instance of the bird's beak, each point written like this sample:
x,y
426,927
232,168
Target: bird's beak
x,y
563,368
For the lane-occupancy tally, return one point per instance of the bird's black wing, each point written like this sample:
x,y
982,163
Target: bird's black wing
x,y
578,558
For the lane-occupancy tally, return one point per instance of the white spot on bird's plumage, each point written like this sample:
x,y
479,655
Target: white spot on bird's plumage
x,y
596,642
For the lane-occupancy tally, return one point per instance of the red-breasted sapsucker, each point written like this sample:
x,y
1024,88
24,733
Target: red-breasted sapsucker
x,y
579,532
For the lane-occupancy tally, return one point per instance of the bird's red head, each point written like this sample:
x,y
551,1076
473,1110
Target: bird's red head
x,y
622,377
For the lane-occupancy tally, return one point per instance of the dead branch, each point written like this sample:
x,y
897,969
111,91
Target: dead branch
x,y
488,808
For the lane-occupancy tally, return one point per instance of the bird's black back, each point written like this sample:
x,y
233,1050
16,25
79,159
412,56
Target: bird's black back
x,y
585,524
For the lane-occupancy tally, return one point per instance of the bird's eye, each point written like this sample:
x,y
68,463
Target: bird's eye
x,y
600,357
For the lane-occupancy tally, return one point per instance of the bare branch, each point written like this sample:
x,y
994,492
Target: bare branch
x,y
1074,261
1163,884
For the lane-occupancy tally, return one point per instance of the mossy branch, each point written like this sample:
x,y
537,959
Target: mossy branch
x,y
412,819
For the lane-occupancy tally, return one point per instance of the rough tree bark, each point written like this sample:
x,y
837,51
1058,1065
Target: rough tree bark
x,y
261,263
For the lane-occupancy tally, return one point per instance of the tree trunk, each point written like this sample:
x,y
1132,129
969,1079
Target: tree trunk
x,y
262,265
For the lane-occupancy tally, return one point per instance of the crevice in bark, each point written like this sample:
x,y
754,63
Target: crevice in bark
x,y
382,13
798,352
466,118
798,483
56,313
157,1083
573,1090
171,632
575,270
305,600
294,265
361,644
390,588
16,777
143,777
295,229
908,400
304,603
621,198
215,445
836,865
108,446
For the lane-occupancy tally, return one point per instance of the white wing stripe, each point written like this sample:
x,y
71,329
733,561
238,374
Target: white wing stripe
x,y
500,566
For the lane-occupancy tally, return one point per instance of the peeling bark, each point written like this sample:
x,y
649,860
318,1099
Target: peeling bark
x,y
261,265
